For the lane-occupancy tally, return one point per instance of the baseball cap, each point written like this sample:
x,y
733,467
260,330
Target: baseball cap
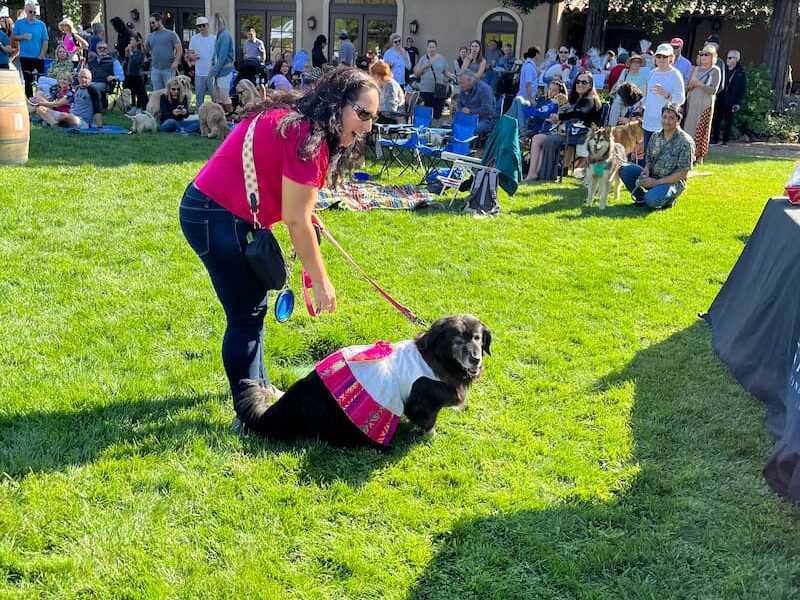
x,y
713,38
665,49
343,32
676,41
4,11
201,21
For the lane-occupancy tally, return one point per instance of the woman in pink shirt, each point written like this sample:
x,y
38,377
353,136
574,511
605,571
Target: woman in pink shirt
x,y
299,142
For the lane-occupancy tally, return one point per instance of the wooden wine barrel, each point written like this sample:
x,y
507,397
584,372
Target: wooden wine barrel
x,y
14,121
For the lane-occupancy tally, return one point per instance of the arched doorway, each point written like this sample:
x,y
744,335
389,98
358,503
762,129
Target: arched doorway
x,y
273,20
369,25
500,26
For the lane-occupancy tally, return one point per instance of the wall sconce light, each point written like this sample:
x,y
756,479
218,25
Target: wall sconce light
x,y
716,23
134,14
312,23
413,27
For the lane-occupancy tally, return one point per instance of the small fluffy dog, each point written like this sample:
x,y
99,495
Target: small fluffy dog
x,y
356,396
604,159
212,121
123,101
630,135
143,122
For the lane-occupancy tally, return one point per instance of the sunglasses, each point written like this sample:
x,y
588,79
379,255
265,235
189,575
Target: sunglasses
x,y
362,113
582,82
563,51
203,25
661,56
31,12
396,42
703,54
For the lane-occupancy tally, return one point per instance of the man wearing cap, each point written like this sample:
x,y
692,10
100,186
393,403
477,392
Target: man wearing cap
x,y
668,159
397,58
201,45
713,39
31,34
664,84
683,64
347,51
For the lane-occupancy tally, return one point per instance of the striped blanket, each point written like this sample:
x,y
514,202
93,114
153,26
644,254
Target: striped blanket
x,y
353,195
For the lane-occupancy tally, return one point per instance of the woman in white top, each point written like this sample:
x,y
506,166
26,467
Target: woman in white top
x,y
392,96
664,84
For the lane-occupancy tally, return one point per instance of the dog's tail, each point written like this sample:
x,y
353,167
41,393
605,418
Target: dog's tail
x,y
252,401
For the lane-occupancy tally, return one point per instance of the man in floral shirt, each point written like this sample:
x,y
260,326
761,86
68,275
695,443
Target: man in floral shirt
x,y
669,157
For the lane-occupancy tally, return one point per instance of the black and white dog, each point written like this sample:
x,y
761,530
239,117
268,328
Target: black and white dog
x,y
356,396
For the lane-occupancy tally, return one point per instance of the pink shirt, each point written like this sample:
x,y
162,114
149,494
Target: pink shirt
x,y
222,177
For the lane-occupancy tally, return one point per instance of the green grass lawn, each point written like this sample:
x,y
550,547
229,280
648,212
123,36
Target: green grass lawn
x,y
607,453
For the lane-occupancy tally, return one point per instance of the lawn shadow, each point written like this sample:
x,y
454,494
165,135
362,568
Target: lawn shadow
x,y
623,210
323,464
697,497
42,441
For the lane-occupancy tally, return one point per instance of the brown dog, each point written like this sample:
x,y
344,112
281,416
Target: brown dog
x,y
630,135
212,121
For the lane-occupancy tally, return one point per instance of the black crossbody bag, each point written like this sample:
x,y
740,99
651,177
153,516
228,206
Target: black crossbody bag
x,y
263,252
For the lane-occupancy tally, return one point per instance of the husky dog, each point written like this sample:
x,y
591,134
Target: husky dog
x,y
602,165
143,122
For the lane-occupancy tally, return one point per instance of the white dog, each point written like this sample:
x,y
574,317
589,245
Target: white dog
x,y
143,122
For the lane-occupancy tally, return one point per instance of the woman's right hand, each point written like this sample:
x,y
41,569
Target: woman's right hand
x,y
324,296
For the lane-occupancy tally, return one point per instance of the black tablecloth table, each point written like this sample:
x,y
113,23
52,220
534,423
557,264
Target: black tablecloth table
x,y
755,325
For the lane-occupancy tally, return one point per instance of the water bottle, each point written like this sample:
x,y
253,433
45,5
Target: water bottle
x,y
35,82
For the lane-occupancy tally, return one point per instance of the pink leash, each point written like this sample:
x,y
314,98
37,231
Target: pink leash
x,y
307,284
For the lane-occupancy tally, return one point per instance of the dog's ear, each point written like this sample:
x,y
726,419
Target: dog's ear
x,y
593,127
487,341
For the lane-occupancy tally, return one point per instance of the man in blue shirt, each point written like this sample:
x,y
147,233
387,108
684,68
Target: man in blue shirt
x,y
683,64
347,51
32,36
476,98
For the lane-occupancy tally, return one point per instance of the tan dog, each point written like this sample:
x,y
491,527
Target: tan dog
x,y
123,101
630,135
602,165
143,122
248,94
212,121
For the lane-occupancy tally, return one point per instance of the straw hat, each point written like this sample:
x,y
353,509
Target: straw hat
x,y
632,57
66,21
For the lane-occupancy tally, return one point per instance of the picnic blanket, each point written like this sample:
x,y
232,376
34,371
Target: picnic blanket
x,y
353,195
107,129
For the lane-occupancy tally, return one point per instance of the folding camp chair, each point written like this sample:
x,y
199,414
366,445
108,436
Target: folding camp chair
x,y
458,141
394,148
501,156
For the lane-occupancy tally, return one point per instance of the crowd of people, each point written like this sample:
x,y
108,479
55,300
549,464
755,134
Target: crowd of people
x,y
547,94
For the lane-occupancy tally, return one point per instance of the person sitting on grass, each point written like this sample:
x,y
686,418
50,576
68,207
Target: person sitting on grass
x,y
174,107
84,109
668,159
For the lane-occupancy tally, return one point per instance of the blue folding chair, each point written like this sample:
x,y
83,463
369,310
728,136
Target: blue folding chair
x,y
394,148
459,141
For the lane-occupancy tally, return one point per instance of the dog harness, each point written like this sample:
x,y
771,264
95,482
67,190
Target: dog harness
x,y
600,167
372,383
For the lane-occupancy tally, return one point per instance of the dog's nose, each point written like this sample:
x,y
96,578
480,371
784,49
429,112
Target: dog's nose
x,y
475,360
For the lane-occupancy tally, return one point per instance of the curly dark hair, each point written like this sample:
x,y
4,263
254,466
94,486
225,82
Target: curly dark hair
x,y
321,107
629,93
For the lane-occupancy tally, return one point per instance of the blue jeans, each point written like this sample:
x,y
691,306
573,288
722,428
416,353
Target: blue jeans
x,y
159,78
172,125
218,237
663,195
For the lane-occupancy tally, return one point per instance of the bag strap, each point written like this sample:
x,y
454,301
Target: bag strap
x,y
249,169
